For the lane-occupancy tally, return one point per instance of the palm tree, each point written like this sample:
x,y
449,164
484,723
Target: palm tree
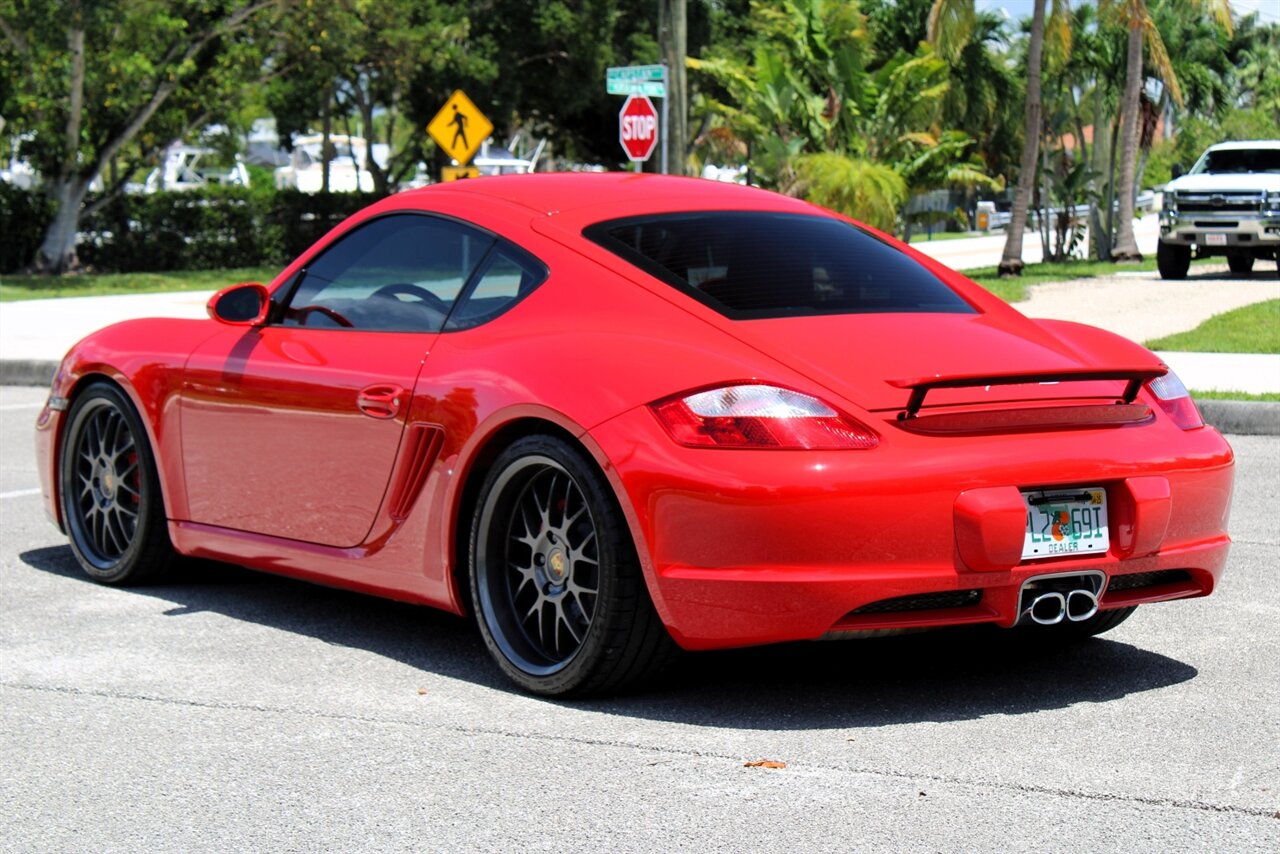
x,y
1136,19
1011,260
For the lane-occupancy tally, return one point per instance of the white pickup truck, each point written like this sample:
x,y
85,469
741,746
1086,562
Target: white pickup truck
x,y
1227,204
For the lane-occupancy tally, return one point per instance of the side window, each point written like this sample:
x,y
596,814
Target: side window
x,y
509,275
398,273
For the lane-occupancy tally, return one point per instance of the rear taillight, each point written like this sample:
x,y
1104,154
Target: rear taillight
x,y
760,416
1175,401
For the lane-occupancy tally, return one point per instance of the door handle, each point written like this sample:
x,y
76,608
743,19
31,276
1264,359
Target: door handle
x,y
380,401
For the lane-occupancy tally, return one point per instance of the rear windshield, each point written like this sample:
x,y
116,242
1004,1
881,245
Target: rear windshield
x,y
750,265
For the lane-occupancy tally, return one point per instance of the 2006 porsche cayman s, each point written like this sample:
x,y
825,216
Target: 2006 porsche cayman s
x,y
613,415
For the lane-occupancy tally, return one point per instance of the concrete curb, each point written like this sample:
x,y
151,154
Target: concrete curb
x,y
27,372
1248,417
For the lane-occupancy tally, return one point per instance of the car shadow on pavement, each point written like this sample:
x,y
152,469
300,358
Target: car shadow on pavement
x,y
951,674
943,675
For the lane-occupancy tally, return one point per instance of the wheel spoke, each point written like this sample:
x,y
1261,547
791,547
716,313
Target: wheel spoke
x,y
568,624
577,586
100,531
116,537
542,509
564,507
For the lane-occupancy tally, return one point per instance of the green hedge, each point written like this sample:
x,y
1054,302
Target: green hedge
x,y
23,218
210,229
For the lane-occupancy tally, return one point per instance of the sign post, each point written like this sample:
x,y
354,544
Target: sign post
x,y
638,128
649,81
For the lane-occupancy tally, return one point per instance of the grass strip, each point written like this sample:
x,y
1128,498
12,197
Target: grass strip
x,y
923,236
1266,396
1249,329
14,288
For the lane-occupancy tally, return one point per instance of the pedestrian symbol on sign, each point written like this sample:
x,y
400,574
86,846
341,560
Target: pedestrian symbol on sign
x,y
460,121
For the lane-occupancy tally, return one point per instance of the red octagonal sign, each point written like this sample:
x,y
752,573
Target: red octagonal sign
x,y
638,127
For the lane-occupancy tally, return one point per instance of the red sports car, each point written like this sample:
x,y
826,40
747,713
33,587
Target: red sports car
x,y
612,415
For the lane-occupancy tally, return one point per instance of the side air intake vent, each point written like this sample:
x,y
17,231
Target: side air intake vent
x,y
422,445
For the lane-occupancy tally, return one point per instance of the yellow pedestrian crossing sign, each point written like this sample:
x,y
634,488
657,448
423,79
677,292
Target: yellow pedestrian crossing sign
x,y
460,128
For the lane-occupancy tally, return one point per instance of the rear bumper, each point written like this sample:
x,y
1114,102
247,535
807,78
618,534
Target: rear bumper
x,y
752,547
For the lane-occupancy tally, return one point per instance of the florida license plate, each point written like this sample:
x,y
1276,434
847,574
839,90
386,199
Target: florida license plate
x,y
1215,240
1065,522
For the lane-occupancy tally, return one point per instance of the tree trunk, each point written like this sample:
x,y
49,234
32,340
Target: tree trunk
x,y
326,147
1126,248
674,37
1111,188
58,250
381,182
1011,261
1097,228
1046,201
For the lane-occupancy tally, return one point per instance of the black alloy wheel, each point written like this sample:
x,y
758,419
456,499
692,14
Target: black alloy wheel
x,y
558,591
109,491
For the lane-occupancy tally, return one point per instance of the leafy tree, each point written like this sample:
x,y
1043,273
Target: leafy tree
x,y
1135,17
362,61
984,99
872,192
552,58
1255,53
805,98
95,82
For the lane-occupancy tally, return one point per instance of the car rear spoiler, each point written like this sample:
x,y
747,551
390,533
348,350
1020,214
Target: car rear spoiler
x,y
921,386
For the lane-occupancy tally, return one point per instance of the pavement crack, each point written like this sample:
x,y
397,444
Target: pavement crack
x,y
1051,791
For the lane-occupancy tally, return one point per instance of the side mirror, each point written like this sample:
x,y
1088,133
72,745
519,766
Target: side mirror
x,y
1177,170
246,304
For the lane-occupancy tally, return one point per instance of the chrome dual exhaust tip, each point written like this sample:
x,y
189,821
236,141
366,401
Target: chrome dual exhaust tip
x,y
1047,600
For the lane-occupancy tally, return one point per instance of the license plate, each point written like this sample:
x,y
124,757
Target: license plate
x,y
1065,522
1215,240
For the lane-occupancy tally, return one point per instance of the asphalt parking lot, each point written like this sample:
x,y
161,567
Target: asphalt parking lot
x,y
232,710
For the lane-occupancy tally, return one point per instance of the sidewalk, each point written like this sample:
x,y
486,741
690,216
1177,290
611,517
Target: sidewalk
x,y
35,334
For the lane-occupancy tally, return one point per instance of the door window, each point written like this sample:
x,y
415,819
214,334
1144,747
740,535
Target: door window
x,y
505,279
397,273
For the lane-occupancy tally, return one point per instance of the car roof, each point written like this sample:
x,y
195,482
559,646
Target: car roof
x,y
1245,144
621,193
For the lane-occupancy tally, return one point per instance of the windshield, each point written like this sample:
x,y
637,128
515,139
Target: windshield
x,y
761,265
1240,160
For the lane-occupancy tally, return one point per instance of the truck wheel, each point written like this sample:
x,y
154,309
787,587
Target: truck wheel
x,y
1239,262
1173,260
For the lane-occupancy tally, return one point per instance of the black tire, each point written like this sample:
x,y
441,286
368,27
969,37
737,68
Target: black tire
x,y
559,595
109,491
1240,263
1173,260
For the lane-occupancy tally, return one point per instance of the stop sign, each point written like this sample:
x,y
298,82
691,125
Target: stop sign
x,y
638,127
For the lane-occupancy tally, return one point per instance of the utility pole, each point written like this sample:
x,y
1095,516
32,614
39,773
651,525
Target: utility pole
x,y
673,37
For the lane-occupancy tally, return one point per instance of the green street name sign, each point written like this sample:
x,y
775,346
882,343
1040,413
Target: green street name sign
x,y
648,80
